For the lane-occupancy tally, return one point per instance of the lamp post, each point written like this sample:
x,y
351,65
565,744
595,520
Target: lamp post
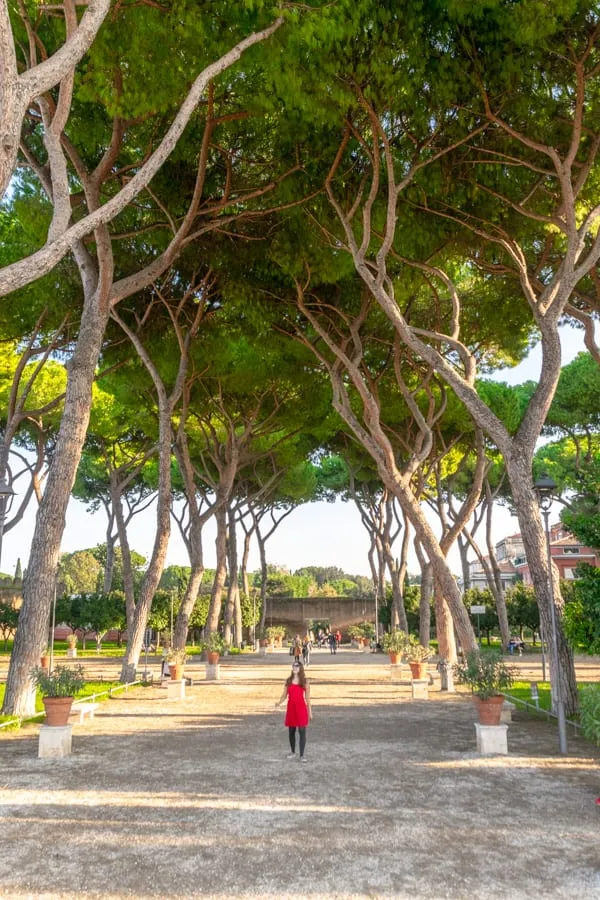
x,y
6,498
545,488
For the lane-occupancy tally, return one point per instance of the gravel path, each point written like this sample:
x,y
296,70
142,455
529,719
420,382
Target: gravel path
x,y
196,798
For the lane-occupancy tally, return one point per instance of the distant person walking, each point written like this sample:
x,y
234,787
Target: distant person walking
x,y
332,642
306,648
297,648
298,713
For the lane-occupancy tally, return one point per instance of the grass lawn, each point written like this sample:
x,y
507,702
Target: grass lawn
x,y
522,691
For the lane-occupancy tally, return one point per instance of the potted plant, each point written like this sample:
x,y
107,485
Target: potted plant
x,y
275,635
362,633
45,659
416,655
72,646
214,646
58,689
487,675
176,660
394,643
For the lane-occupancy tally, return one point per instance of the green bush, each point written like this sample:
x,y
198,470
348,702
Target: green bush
x,y
487,675
589,712
61,682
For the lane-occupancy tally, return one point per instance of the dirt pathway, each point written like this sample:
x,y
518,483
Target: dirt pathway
x,y
196,798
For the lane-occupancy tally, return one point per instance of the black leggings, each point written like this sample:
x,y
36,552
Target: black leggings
x,y
292,734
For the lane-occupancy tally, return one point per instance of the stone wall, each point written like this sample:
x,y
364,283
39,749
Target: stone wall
x,y
340,612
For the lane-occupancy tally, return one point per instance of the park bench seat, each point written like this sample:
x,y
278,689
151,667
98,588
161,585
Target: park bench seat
x,y
85,708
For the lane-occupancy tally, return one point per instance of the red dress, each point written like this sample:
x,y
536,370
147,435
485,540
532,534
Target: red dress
x,y
296,714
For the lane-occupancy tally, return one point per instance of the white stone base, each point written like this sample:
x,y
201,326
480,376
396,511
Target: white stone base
x,y
176,689
508,709
420,689
55,741
492,739
447,681
72,653
213,672
396,671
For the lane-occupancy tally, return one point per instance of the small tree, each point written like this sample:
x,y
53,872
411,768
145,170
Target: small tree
x,y
9,616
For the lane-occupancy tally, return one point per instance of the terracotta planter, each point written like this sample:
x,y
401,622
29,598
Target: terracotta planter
x,y
213,657
394,658
45,662
58,710
176,671
418,670
490,710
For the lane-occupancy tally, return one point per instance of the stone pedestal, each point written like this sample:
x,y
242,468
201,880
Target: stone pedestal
x,y
396,671
508,709
176,689
492,739
72,653
420,688
447,679
213,672
55,741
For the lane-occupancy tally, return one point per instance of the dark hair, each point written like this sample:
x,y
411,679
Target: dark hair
x,y
301,674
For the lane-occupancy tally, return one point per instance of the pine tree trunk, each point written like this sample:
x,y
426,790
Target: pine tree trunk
x,y
444,627
534,540
463,549
230,633
126,564
40,578
214,610
135,633
263,580
425,598
182,622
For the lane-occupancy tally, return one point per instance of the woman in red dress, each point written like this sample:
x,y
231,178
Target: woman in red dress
x,y
298,713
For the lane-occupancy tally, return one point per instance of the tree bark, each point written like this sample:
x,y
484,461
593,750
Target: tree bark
x,y
214,610
135,632
533,534
425,598
231,633
39,581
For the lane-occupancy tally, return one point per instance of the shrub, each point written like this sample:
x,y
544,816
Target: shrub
x,y
589,712
62,682
395,641
486,674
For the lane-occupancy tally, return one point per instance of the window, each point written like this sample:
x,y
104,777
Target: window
x,y
569,574
571,550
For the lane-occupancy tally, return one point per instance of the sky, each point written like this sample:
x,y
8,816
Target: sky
x,y
316,534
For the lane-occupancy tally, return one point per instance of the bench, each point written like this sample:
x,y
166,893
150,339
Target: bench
x,y
84,709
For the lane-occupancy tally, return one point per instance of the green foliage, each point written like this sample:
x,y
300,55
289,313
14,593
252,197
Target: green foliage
x,y
522,608
486,674
214,643
362,630
414,651
61,682
9,617
79,573
159,617
395,641
589,712
582,610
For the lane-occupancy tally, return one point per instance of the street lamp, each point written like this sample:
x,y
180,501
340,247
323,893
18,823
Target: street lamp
x,y
545,488
6,498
